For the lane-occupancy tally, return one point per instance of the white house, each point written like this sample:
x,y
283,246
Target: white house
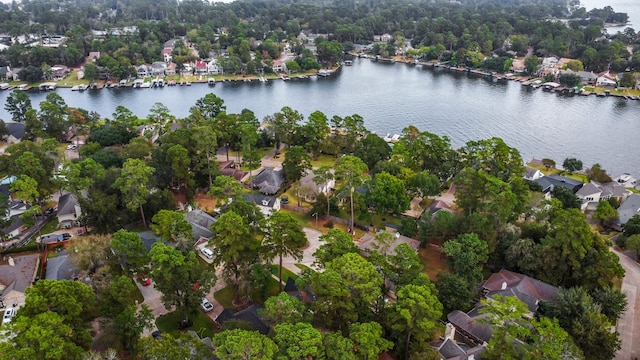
x,y
142,71
212,67
158,68
606,79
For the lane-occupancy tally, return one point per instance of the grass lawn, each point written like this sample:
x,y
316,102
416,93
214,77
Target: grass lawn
x,y
433,261
303,267
202,324
379,221
324,160
225,295
50,226
72,80
303,219
286,273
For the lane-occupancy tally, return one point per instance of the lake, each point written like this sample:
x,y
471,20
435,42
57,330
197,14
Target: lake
x,y
631,7
462,106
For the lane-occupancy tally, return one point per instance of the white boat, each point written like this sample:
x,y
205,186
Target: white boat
x,y
395,138
145,85
323,72
123,83
4,86
211,81
22,87
387,138
138,83
47,86
79,88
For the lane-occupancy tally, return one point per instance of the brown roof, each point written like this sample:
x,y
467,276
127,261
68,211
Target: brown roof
x,y
20,276
525,288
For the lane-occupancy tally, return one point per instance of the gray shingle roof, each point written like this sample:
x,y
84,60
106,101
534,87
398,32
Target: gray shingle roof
x,y
269,181
200,223
629,208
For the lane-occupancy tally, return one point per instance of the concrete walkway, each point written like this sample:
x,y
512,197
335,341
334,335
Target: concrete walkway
x,y
629,323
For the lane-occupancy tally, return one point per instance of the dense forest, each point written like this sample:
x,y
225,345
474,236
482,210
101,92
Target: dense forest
x,y
468,31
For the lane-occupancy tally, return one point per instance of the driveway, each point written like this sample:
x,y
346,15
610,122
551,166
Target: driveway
x,y
313,243
152,298
629,323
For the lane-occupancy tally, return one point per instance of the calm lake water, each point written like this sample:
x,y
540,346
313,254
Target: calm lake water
x,y
631,7
393,96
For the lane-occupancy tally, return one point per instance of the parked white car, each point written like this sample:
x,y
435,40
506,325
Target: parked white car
x,y
206,305
8,315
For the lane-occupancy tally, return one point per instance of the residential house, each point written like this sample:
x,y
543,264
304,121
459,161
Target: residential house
x,y
171,69
562,62
549,62
69,211
311,189
527,289
438,206
60,72
201,68
14,207
6,73
367,242
451,349
629,208
167,55
606,79
248,315
187,69
200,223
504,283
15,228
158,68
279,66
267,204
228,168
213,68
94,56
142,71
593,192
15,132
589,194
548,183
386,37
17,273
532,174
587,77
269,181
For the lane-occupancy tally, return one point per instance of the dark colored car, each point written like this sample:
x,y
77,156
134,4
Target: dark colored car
x,y
66,236
49,211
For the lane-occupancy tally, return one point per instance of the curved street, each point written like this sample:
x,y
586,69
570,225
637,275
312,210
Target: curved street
x,y
629,323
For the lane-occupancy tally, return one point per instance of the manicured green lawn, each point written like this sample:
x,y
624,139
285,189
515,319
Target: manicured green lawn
x,y
50,226
202,324
324,160
286,273
225,297
303,267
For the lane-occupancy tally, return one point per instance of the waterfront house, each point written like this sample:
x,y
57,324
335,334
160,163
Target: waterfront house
x,y
606,79
171,69
532,174
213,68
590,195
60,72
142,71
629,208
187,69
17,273
279,66
587,77
201,68
594,192
267,204
158,68
549,62
548,183
518,66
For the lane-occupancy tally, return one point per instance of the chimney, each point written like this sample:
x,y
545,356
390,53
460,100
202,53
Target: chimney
x,y
11,262
449,332
504,285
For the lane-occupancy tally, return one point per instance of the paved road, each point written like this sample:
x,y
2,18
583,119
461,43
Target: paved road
x,y
629,324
